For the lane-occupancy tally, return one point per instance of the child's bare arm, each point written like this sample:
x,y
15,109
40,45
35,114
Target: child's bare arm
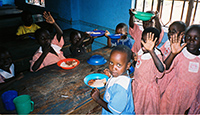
x,y
90,41
108,38
176,48
132,18
95,94
50,19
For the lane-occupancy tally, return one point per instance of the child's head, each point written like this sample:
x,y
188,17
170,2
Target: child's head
x,y
27,18
119,60
43,37
75,37
176,28
122,28
153,31
5,59
149,23
192,38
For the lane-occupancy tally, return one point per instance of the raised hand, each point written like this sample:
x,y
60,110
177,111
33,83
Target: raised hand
x,y
48,17
175,43
107,33
150,43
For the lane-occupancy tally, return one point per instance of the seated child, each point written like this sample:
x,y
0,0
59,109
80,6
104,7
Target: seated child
x,y
28,29
148,68
121,28
118,97
136,32
78,47
49,52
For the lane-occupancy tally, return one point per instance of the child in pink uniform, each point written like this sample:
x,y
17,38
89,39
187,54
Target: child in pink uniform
x,y
181,90
136,32
195,107
49,52
177,27
149,66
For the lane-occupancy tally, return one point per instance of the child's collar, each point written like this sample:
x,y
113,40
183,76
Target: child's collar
x,y
189,55
146,56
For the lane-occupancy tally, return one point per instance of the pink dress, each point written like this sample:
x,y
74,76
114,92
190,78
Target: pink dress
x,y
50,58
181,90
195,107
146,92
136,33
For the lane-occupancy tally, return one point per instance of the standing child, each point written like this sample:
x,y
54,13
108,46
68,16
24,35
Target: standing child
x,y
49,52
136,32
181,91
149,66
121,28
118,97
78,47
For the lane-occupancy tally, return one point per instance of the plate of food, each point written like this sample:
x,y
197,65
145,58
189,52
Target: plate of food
x,y
68,63
115,36
96,33
144,16
96,60
96,80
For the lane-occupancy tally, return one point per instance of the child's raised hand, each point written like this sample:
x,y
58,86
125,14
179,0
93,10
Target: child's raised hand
x,y
175,43
150,43
95,94
48,17
107,33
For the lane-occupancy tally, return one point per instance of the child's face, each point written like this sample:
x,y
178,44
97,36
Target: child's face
x,y
118,63
173,29
44,39
147,24
121,31
192,38
28,20
5,61
76,39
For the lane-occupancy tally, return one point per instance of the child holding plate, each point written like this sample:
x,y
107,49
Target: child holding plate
x,y
118,97
49,52
121,30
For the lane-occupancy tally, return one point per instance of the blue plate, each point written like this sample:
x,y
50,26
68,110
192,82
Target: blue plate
x,y
115,36
95,76
96,60
96,33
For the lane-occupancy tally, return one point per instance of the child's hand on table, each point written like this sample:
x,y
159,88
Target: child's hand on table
x,y
95,94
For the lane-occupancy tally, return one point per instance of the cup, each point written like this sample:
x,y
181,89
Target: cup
x,y
23,104
7,98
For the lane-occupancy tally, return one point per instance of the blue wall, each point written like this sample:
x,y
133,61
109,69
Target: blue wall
x,y
10,2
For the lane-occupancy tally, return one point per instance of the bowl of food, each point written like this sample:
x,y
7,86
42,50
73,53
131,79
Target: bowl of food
x,y
144,16
115,36
68,63
96,33
96,60
96,80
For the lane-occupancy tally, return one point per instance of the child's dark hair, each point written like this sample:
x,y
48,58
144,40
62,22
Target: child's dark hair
x,y
38,32
3,50
122,25
181,26
197,27
24,14
73,34
124,49
153,31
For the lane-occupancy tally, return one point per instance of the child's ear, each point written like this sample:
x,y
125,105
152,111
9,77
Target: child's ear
x,y
128,65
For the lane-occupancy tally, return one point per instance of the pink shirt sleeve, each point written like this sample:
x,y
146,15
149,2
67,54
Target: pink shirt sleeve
x,y
55,41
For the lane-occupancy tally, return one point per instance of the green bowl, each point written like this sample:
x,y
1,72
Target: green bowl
x,y
144,16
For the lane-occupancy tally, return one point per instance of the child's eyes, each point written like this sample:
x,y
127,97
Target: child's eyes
x,y
111,63
119,65
188,37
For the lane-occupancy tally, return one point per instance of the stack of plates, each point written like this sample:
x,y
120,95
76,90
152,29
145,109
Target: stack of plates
x,y
96,60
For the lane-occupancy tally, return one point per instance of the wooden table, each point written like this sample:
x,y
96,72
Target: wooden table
x,y
55,90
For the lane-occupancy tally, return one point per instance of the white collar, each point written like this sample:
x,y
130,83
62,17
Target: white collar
x,y
6,74
55,47
147,56
189,55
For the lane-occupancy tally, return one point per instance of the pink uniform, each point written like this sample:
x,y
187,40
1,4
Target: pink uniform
x,y
146,92
195,107
181,90
50,58
136,33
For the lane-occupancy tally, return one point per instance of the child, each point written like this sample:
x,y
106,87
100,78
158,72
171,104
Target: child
x,y
118,97
195,107
7,69
49,52
136,32
181,90
28,29
78,47
149,66
121,28
177,27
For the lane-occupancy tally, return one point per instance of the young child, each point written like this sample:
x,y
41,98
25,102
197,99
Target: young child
x,y
118,97
177,27
78,47
49,52
136,32
28,29
181,90
149,66
121,28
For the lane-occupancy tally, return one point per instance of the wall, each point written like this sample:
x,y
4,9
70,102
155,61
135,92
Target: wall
x,y
8,2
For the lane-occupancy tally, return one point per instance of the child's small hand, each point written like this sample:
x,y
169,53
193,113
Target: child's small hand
x,y
107,33
95,94
48,17
175,43
107,72
150,43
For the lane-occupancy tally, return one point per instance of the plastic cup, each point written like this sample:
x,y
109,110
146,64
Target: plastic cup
x,y
23,104
7,98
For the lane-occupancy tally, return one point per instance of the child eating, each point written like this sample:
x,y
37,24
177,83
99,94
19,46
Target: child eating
x,y
49,52
118,97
